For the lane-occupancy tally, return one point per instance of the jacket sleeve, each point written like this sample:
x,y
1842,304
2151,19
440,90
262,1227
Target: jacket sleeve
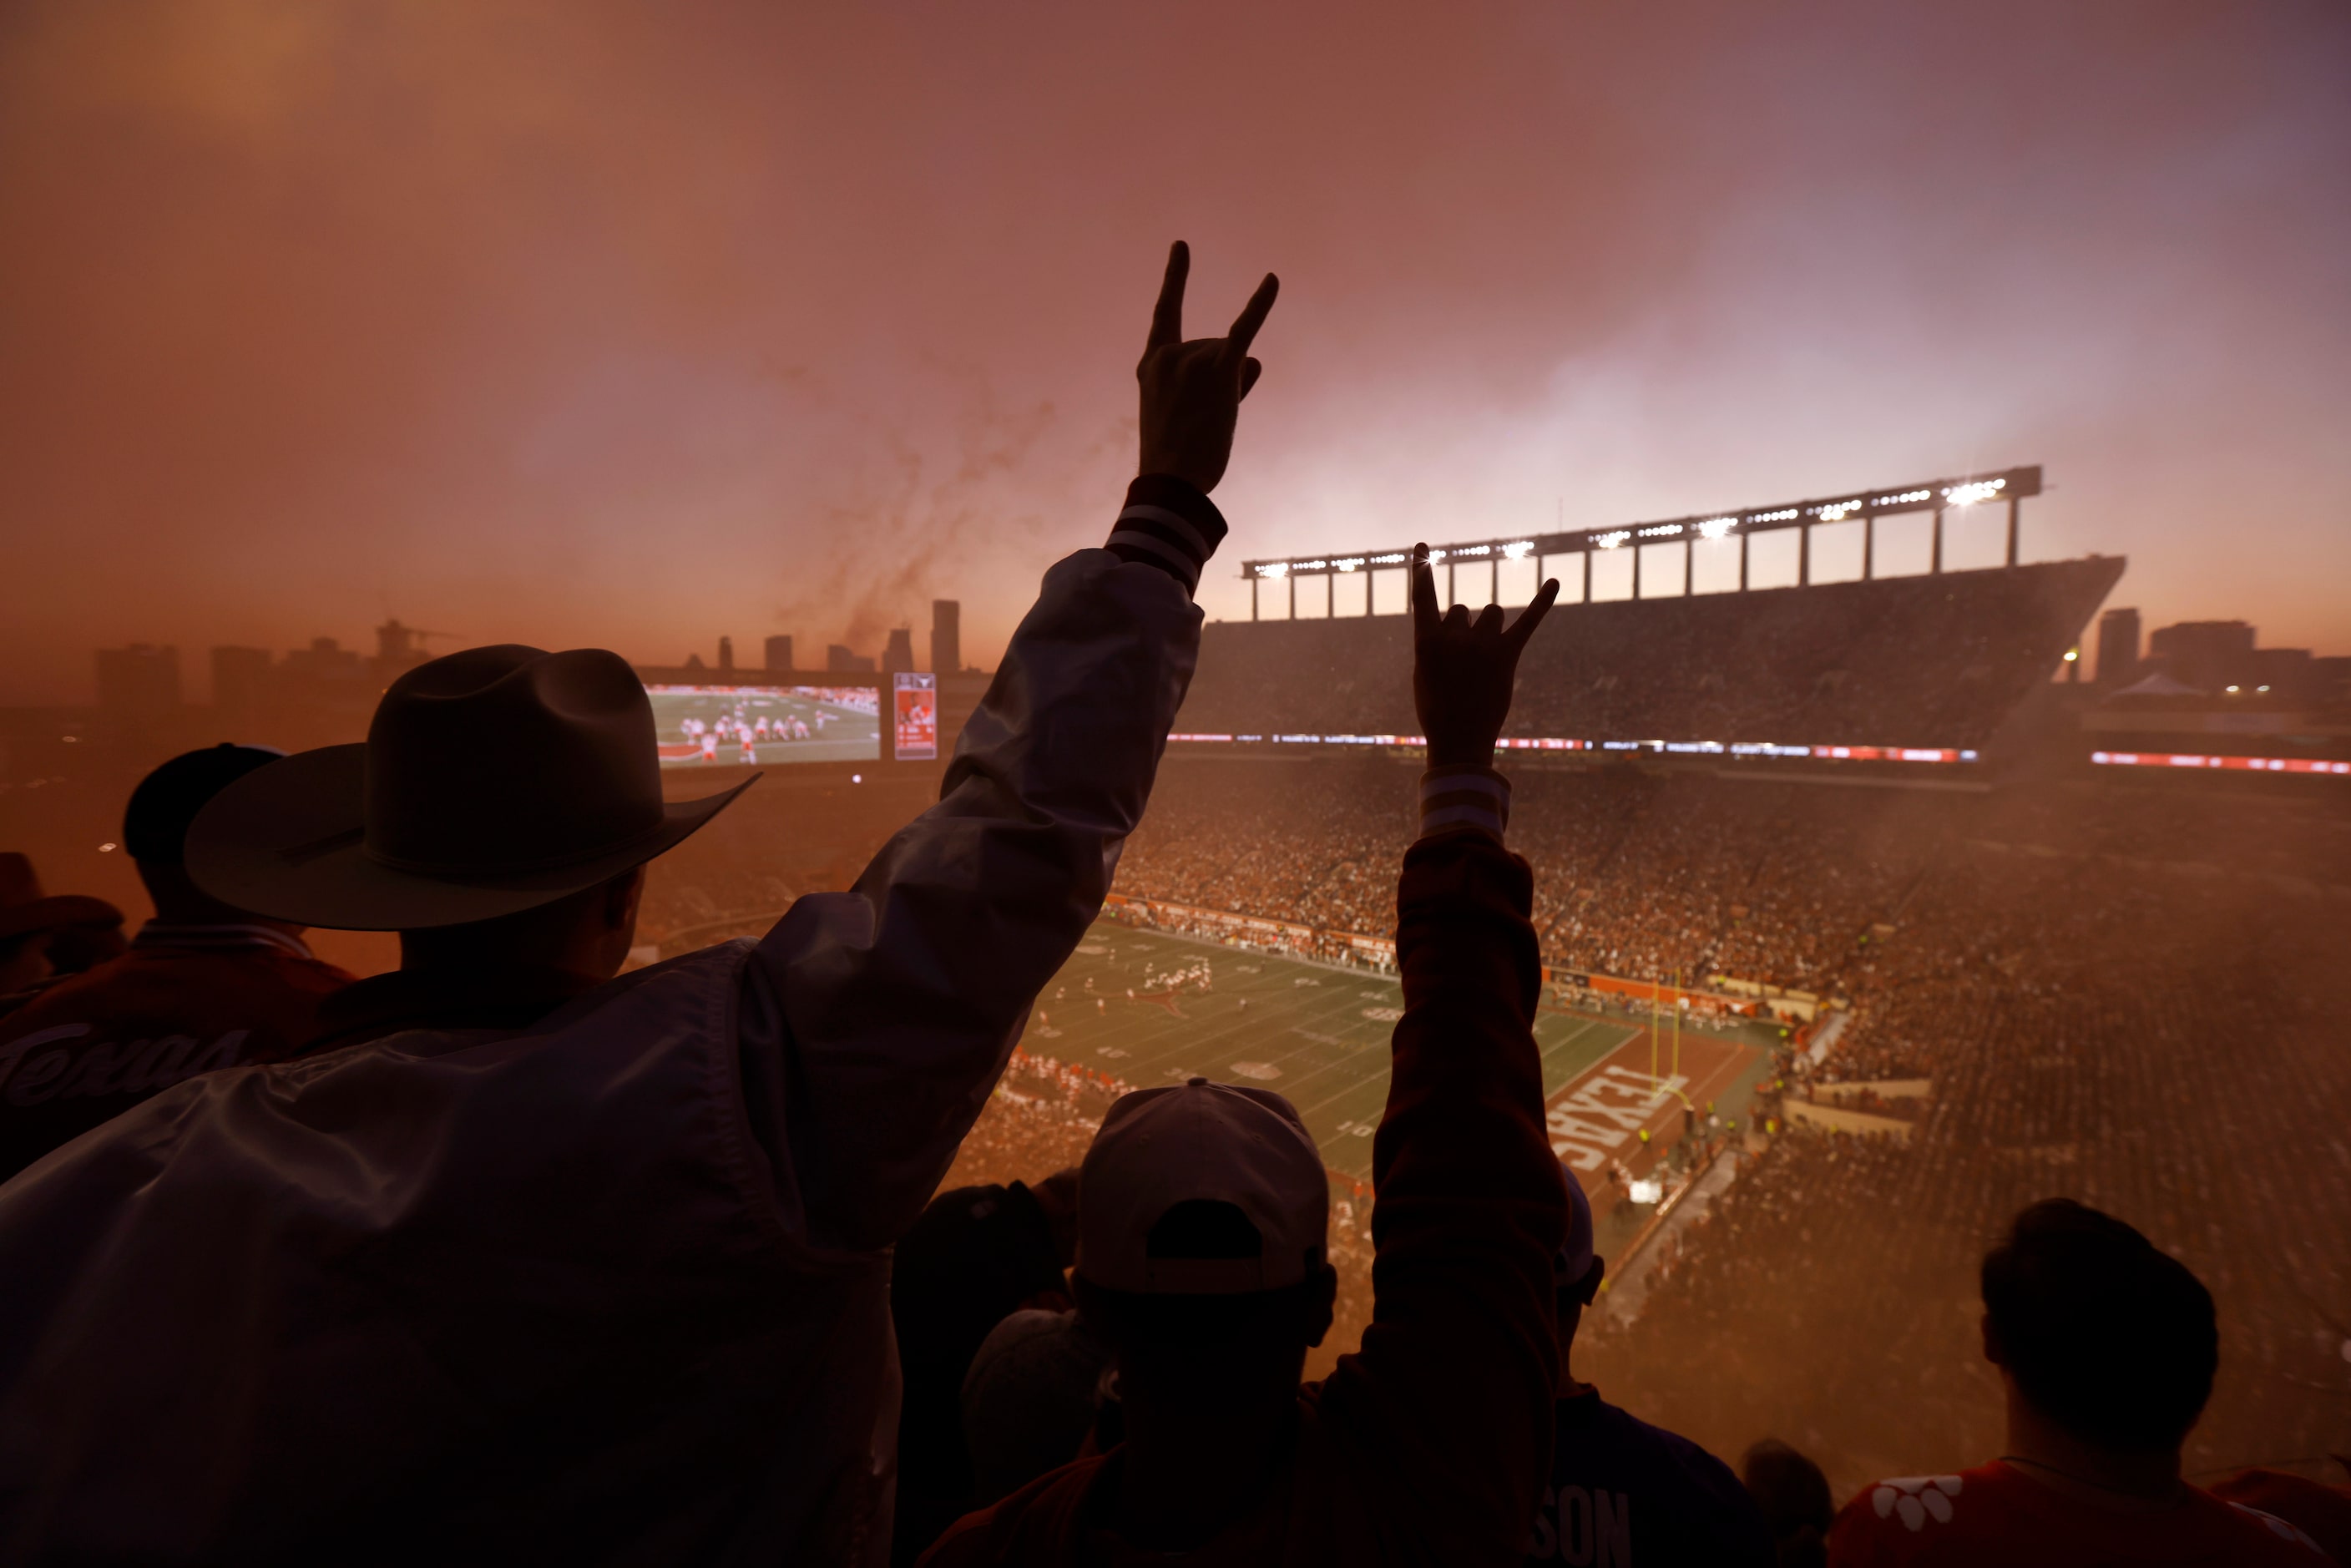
x,y
1452,1392
876,1022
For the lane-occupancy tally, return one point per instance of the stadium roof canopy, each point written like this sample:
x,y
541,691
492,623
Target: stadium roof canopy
x,y
1864,505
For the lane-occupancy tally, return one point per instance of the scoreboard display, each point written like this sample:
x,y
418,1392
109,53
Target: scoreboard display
x,y
765,726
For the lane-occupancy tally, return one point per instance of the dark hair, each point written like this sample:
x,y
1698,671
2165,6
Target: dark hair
x,y
2105,1336
155,823
1793,1496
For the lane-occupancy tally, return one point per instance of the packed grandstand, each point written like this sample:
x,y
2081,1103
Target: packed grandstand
x,y
1938,660
2026,985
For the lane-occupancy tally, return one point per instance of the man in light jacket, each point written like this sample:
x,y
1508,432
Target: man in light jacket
x,y
521,1261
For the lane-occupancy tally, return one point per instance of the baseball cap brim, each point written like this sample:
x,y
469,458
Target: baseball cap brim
x,y
289,841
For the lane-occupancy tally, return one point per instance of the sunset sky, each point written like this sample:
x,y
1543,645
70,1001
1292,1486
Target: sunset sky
x,y
631,325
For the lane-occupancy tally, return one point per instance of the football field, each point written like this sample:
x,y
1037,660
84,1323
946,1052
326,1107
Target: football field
x,y
1153,1008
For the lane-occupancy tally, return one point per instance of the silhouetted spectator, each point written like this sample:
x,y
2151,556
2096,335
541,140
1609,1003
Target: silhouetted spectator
x,y
1033,1397
77,949
2106,1348
1622,1491
523,1261
204,986
31,922
1794,1498
1203,1216
977,1255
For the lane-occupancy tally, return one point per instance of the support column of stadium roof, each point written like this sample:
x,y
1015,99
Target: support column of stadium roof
x,y
1933,496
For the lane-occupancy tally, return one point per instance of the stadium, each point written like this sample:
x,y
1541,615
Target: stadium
x,y
1841,969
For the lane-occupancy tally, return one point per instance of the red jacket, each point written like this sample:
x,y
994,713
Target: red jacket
x,y
185,1000
1430,1444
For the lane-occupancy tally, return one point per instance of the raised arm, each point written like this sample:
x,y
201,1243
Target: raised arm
x,y
889,1009
1453,1386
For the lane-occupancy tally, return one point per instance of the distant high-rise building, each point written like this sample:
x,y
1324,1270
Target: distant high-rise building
x,y
899,655
840,660
399,647
239,676
779,654
2118,647
726,653
325,660
946,636
2286,672
2209,655
139,682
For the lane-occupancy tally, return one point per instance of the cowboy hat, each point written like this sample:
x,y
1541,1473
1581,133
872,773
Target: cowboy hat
x,y
24,908
491,781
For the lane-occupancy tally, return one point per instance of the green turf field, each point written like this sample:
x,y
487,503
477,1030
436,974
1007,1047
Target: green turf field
x,y
1317,1033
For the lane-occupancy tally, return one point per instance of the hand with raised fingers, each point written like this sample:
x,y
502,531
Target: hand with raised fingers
x,y
1464,670
1191,391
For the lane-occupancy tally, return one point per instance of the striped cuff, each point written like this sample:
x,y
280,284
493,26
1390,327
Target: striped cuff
x,y
1454,797
1168,524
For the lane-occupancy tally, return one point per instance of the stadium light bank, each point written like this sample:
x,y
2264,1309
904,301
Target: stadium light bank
x,y
2012,485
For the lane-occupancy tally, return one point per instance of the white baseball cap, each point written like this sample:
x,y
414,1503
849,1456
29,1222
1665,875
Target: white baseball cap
x,y
1216,1142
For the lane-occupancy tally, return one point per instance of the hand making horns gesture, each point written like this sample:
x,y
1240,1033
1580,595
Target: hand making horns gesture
x,y
1463,671
1191,391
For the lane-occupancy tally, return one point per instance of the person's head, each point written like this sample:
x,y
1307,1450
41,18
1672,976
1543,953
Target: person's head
x,y
23,961
587,934
1057,1196
2100,1334
155,828
499,813
34,923
1576,1270
1793,1495
1203,1214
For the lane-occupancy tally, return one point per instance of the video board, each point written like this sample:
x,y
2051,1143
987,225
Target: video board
x,y
745,727
915,712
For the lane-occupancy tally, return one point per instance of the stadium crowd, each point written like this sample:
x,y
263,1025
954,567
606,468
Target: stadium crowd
x,y
2121,994
1641,876
510,1255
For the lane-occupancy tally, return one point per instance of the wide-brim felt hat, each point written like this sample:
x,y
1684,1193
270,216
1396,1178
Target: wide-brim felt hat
x,y
24,907
492,781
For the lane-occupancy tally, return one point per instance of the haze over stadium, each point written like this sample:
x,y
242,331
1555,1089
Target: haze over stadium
x,y
1935,773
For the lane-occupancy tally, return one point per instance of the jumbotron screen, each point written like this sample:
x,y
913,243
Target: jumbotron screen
x,y
739,727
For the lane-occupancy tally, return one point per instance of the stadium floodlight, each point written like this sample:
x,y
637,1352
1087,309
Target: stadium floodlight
x,y
1965,490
